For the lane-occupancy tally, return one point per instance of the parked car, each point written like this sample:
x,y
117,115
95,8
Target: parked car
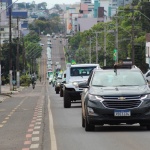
x,y
114,96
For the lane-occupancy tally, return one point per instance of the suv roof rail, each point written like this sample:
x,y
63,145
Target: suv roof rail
x,y
117,67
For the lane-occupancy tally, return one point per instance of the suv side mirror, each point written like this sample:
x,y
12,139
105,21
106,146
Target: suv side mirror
x,y
64,82
64,75
83,85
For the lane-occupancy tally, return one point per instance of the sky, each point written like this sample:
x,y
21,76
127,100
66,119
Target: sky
x,y
50,3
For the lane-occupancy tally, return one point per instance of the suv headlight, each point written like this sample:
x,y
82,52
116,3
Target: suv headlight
x,y
93,97
58,83
147,96
75,84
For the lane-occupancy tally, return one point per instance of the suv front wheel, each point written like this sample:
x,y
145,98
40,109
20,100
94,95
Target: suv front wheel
x,y
67,100
61,92
88,126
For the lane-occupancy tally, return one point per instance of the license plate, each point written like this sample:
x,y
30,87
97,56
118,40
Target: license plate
x,y
125,112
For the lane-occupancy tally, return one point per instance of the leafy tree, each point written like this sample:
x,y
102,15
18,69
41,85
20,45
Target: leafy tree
x,y
141,26
42,5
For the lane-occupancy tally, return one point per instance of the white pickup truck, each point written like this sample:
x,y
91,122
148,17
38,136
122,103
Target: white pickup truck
x,y
74,75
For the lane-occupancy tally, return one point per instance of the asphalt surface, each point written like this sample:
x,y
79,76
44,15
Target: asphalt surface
x,y
71,135
36,119
58,53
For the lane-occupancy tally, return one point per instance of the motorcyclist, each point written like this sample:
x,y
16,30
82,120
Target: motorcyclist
x,y
33,79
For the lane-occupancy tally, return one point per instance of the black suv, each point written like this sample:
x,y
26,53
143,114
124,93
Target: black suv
x,y
114,96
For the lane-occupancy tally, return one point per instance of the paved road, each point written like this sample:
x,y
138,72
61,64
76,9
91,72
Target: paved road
x,y
58,53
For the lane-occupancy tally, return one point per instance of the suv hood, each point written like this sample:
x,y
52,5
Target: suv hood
x,y
120,91
78,79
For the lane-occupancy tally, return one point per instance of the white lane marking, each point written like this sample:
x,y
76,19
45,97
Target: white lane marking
x,y
35,139
39,119
51,128
34,146
37,127
39,116
36,132
38,123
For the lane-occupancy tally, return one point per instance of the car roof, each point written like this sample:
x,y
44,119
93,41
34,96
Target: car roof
x,y
122,69
84,65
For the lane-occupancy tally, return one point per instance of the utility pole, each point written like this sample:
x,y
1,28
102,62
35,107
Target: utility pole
x,y
23,57
17,57
116,35
0,53
10,51
96,49
133,51
104,45
90,52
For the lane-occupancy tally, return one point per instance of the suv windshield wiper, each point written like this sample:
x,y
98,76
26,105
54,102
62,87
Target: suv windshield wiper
x,y
128,85
99,85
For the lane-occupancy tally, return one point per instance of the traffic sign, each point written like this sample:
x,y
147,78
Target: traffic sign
x,y
115,55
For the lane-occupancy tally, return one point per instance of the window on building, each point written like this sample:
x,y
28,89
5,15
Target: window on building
x,y
1,29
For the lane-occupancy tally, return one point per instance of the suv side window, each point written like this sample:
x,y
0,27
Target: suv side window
x,y
89,79
148,74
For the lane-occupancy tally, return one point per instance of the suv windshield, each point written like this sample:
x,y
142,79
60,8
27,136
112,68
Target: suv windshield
x,y
81,71
59,75
122,78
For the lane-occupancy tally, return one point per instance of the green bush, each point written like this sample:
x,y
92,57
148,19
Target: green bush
x,y
25,80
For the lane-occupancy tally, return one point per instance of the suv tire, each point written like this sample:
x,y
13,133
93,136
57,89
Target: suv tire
x,y
148,127
61,92
67,100
57,91
83,122
88,127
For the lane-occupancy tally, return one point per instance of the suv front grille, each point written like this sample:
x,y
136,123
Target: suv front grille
x,y
131,97
121,104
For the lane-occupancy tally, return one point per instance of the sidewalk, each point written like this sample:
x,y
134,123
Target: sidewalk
x,y
6,92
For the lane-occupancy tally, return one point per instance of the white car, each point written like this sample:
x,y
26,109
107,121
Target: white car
x,y
48,35
50,79
41,44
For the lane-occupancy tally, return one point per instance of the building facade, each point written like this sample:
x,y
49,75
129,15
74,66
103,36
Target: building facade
x,y
86,1
114,4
